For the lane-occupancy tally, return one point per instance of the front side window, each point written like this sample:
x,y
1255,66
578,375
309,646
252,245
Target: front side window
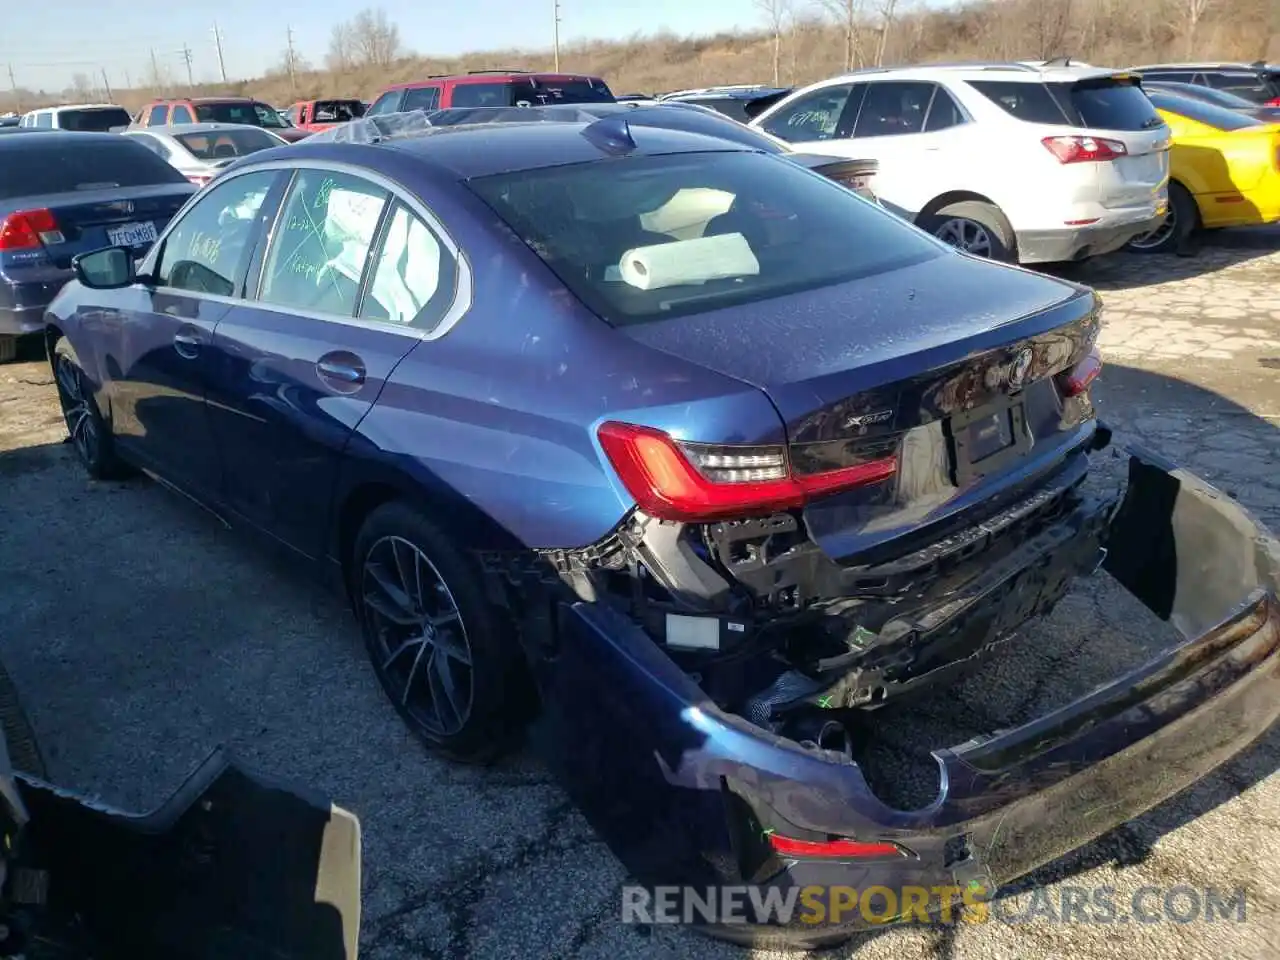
x,y
158,116
421,98
318,251
203,252
893,108
44,119
650,238
414,275
811,116
389,102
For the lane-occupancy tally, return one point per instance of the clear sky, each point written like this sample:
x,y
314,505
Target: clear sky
x,y
48,42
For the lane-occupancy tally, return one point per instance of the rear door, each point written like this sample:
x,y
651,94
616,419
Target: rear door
x,y
351,271
1116,109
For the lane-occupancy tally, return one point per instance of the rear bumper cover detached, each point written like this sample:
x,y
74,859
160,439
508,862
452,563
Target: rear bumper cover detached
x,y
659,769
1080,243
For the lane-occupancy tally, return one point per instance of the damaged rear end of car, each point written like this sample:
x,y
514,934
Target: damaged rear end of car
x,y
912,493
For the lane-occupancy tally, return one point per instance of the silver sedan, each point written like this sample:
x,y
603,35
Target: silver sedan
x,y
201,150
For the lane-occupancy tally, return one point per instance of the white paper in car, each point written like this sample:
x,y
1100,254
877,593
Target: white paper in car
x,y
688,261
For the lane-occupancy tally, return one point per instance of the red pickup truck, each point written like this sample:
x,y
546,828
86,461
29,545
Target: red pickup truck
x,y
316,115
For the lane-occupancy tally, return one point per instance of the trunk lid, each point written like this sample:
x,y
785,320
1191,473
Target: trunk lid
x,y
92,219
948,365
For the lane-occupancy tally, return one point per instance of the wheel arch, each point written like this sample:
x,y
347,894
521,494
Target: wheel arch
x,y
956,196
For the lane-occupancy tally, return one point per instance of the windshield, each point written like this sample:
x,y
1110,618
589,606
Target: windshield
x,y
33,166
651,238
227,144
253,114
1211,115
337,111
95,119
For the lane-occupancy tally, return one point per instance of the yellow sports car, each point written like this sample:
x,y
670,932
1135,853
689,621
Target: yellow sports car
x,y
1224,170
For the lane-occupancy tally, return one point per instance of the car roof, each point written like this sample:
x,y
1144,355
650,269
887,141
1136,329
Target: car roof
x,y
161,100
86,106
1017,72
487,76
1242,67
173,129
485,149
74,136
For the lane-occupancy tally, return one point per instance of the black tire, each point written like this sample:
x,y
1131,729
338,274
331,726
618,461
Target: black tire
x,y
1182,221
88,431
19,735
501,694
999,244
8,349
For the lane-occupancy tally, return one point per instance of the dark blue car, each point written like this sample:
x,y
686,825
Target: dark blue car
x,y
63,194
681,458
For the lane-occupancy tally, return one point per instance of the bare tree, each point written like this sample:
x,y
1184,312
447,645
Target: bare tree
x,y
848,16
82,87
1195,11
1052,23
341,55
375,39
888,9
777,13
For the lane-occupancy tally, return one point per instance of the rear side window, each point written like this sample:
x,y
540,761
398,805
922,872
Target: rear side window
x,y
30,166
413,277
1031,102
44,119
651,238
182,114
1107,105
421,98
893,109
481,95
337,111
545,92
99,120
158,115
1209,114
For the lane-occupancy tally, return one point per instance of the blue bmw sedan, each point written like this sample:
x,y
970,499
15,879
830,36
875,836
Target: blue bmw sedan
x,y
679,458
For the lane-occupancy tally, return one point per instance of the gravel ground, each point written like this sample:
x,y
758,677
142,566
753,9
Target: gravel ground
x,y
142,634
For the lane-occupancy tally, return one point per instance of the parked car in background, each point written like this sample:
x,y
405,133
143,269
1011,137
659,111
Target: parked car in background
x,y
1223,170
90,117
1009,161
316,115
1219,98
201,150
62,194
240,110
491,88
732,101
1258,82
688,502
10,120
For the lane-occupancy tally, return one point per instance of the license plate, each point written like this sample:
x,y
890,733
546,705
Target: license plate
x,y
990,435
132,234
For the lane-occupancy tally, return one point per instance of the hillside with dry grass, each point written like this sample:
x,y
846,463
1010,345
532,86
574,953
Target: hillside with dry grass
x,y
797,43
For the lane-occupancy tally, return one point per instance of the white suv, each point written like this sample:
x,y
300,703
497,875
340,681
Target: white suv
x,y
1022,162
91,117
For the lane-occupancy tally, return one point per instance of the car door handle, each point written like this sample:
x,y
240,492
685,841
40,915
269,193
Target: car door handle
x,y
343,372
187,344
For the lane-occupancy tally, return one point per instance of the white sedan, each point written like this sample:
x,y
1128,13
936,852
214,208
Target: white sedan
x,y
201,150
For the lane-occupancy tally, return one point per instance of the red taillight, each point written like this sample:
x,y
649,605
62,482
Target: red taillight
x,y
1084,149
842,849
1076,381
28,229
199,179
1273,102
676,480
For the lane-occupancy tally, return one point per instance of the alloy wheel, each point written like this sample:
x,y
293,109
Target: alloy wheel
x,y
77,410
967,235
424,656
1149,241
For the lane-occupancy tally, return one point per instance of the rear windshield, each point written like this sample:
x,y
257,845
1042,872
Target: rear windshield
x,y
524,93
32,166
1223,98
1211,115
1099,105
226,144
95,119
253,114
651,238
337,111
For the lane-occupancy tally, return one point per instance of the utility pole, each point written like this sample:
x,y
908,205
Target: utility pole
x,y
106,84
155,71
13,85
217,43
555,30
293,72
186,55
128,80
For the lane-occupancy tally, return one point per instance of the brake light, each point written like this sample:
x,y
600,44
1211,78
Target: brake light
x,y
1084,149
1076,381
676,480
29,229
1273,102
843,849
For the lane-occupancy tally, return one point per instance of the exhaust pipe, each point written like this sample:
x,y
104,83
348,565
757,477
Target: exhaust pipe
x,y
821,733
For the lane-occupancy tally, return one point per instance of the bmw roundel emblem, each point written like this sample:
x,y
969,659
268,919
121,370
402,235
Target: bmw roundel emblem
x,y
1020,367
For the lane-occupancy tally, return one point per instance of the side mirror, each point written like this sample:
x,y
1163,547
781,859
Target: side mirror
x,y
111,268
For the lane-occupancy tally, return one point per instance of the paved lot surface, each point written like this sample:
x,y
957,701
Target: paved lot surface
x,y
142,634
